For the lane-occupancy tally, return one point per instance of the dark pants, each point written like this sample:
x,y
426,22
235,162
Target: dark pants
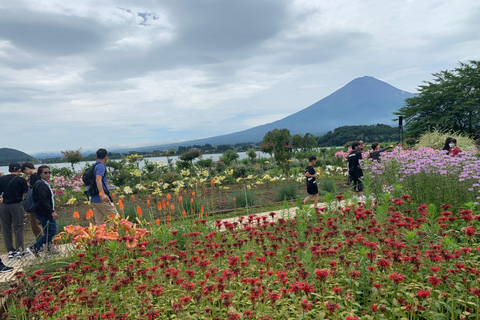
x,y
357,184
48,233
12,213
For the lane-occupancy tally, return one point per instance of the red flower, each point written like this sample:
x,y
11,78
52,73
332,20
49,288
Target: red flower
x,y
331,306
397,277
321,275
305,305
423,294
435,280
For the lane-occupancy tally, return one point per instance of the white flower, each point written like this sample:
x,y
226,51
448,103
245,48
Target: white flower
x,y
127,190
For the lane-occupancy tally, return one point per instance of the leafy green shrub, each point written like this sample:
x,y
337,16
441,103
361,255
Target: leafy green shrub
x,y
170,177
287,192
436,140
243,198
329,185
205,163
183,165
66,172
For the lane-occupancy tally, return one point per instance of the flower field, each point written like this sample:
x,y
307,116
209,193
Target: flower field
x,y
395,260
430,176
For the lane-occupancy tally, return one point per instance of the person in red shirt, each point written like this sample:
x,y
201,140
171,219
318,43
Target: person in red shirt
x,y
454,150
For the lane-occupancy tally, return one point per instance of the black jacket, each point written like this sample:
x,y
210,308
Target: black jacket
x,y
375,155
44,200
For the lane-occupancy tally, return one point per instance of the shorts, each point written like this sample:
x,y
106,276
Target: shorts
x,y
357,184
312,189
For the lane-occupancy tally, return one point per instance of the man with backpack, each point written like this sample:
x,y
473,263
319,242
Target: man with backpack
x,y
354,169
32,177
102,204
12,190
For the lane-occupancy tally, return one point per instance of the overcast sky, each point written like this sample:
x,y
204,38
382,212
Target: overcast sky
x,y
105,73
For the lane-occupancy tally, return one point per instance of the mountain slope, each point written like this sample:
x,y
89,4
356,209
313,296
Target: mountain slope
x,y
8,156
362,101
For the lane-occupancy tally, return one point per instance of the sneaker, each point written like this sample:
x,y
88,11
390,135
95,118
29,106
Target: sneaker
x,y
5,269
19,254
31,250
11,254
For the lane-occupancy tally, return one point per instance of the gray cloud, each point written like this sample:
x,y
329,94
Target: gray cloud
x,y
157,70
50,35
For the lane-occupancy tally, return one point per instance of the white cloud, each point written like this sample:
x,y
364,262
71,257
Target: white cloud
x,y
134,72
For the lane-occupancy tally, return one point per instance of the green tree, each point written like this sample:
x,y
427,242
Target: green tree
x,y
278,142
251,153
191,155
451,102
73,157
309,142
229,156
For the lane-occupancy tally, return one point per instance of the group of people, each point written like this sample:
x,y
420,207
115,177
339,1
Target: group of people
x,y
355,170
14,188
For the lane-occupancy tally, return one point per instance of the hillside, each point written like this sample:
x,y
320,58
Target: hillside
x,y
363,101
367,133
8,156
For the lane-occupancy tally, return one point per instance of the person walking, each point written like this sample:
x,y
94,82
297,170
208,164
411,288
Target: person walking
x,y
312,188
102,204
44,210
355,170
32,177
12,190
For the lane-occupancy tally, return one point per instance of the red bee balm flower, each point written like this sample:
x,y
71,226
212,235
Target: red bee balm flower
x,y
397,277
423,294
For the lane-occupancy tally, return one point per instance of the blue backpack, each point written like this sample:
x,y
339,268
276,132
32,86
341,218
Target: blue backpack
x,y
28,202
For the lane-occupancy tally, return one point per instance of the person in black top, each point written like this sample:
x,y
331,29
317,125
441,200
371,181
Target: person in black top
x,y
375,154
44,210
311,176
12,188
32,176
354,169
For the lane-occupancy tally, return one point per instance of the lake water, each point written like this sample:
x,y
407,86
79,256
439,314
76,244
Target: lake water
x,y
79,166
